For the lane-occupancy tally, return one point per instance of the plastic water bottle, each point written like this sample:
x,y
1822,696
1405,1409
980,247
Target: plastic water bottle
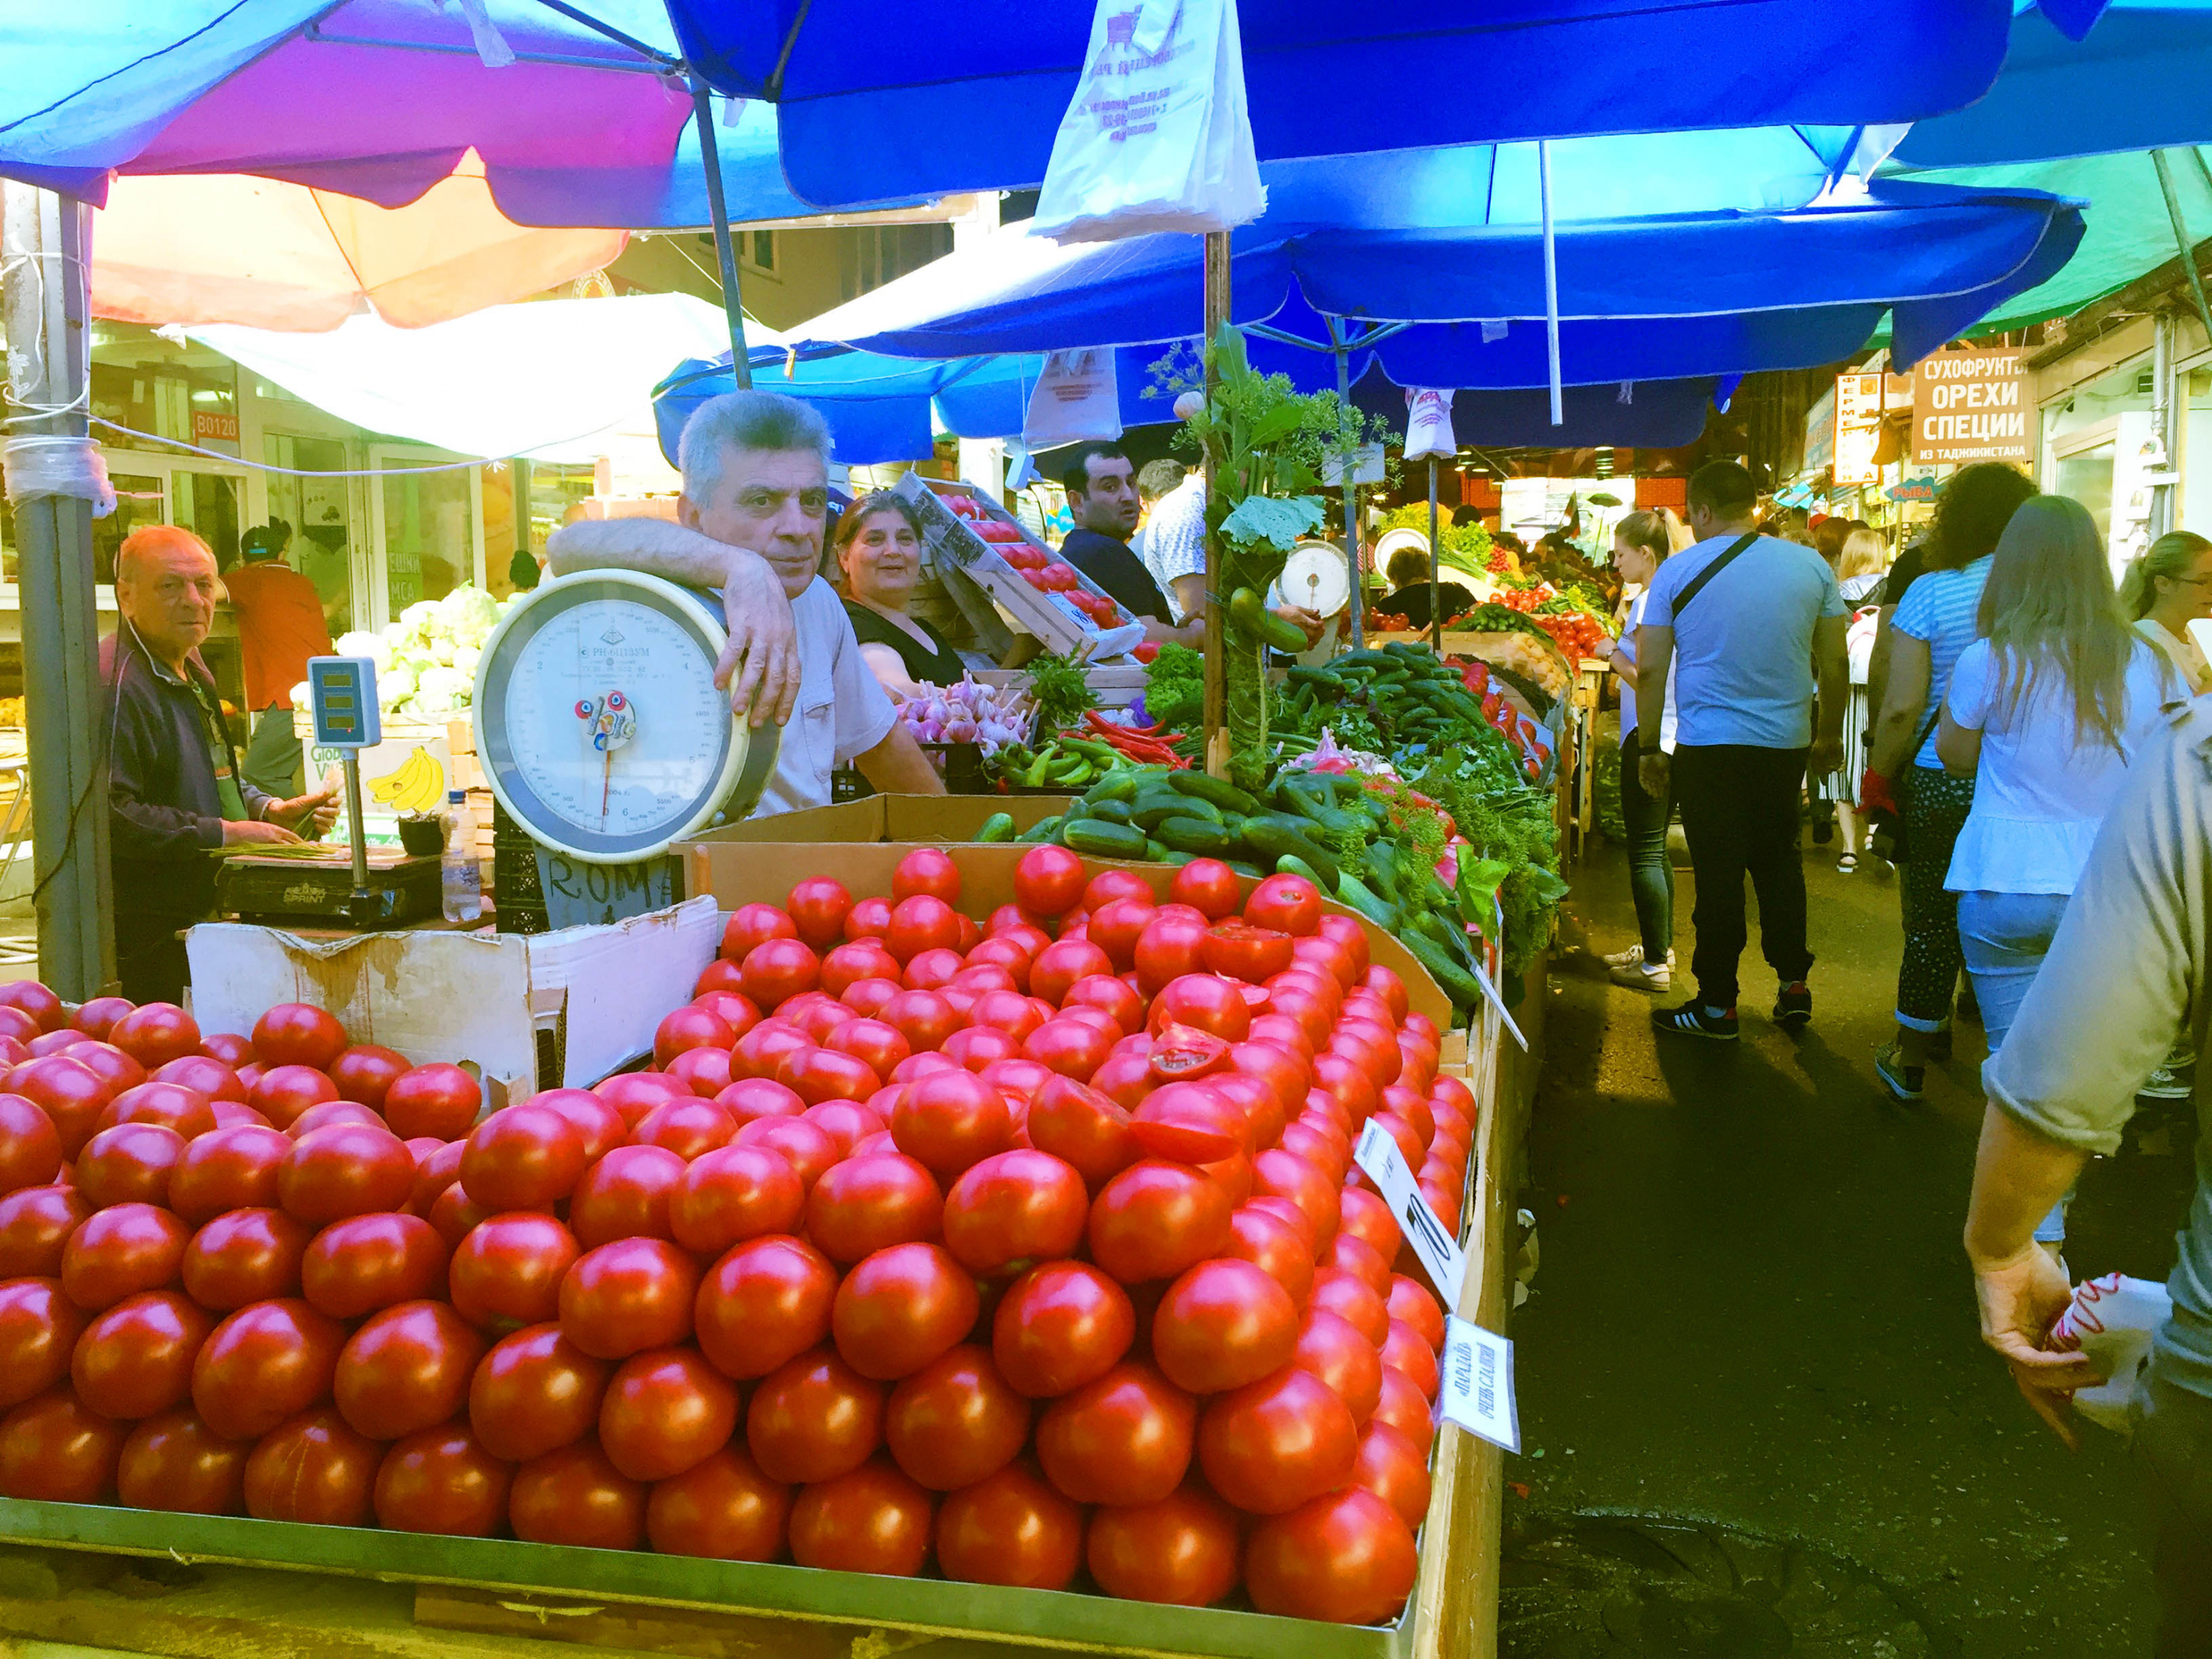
x,y
460,878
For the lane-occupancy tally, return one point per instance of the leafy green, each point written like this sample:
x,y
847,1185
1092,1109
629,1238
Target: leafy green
x,y
1175,689
1061,691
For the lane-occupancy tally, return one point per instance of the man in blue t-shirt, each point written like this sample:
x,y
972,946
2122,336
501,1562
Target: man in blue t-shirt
x,y
1746,620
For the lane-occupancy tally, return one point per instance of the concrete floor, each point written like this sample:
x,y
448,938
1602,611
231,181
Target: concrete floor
x,y
1753,1310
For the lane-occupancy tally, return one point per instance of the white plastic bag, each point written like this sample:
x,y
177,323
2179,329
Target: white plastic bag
x,y
2110,1319
1428,424
1076,399
1158,136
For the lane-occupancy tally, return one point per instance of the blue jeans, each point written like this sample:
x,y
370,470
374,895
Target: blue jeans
x,y
1650,870
2005,937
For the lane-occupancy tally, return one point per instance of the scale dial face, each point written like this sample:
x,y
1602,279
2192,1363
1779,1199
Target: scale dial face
x,y
1314,576
600,726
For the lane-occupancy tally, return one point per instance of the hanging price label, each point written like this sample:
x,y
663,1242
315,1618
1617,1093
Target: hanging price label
x,y
1475,1389
1385,1165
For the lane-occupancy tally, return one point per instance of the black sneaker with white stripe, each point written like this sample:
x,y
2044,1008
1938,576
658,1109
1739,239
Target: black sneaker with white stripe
x,y
1695,1019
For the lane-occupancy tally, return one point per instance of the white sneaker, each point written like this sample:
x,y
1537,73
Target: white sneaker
x,y
2165,1084
1632,957
1640,977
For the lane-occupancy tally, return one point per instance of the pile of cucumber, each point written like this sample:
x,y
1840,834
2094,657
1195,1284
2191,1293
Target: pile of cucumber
x,y
1307,824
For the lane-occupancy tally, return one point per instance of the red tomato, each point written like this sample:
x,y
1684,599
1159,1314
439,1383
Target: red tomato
x,y
729,1003
55,1448
1111,997
1061,1325
1010,1527
437,1100
847,1122
1116,927
1289,904
870,1203
189,1111
228,1046
1325,956
129,1164
686,1028
1049,880
1070,1047
1412,1303
442,1481
406,1369
1331,1348
1123,1438
1386,984
1172,945
1244,952
866,997
93,1017
297,1034
72,1095
1271,1445
347,1169
876,1043
39,1331
899,1308
722,1507
764,1304
1406,1351
332,1111
626,1195
576,1495
1208,886
950,1121
688,1129
1154,1219
1351,1299
731,1194
44,1008
1281,1028
1182,1550
632,1094
1110,884
35,1225
1279,1174
751,925
175,1461
1349,934
364,1073
280,1093
956,1421
1351,1253
978,1046
243,1256
814,1418
807,1147
109,1063
263,1364
1189,1123
874,1519
358,1265
1223,1324
821,1074
313,1469
47,1042
533,1392
759,1097
849,965
925,871
156,1033
1005,951
664,1410
624,1298
1275,1247
778,969
869,918
1346,1557
1013,1209
522,1158
762,1049
921,922
817,907
121,1251
924,1019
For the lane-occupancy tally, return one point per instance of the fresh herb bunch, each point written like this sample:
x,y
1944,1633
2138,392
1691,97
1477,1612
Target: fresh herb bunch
x,y
1462,546
1515,827
1061,692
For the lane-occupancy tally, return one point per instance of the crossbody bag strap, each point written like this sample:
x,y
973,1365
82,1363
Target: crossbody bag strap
x,y
1696,584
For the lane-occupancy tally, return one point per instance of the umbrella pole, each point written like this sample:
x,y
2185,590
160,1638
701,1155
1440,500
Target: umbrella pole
x,y
46,244
710,157
1352,559
1551,282
1216,683
1436,572
2181,240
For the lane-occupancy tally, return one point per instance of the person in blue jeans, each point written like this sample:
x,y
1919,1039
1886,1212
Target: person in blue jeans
x,y
1743,621
1641,542
2046,708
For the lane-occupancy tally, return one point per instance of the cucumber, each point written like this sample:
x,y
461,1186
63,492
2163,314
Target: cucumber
x,y
1382,914
1383,869
1043,829
1244,868
1275,835
1156,854
1454,981
1112,811
1155,803
1219,791
1120,784
1101,838
1291,865
1281,634
999,826
1194,835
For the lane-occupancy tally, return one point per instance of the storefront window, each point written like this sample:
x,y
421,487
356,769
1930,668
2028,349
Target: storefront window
x,y
138,500
318,511
427,527
212,507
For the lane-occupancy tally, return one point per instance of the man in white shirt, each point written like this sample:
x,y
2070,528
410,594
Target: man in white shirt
x,y
756,469
1744,620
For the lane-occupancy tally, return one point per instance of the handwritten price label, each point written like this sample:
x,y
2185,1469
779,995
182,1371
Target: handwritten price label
x,y
1379,1155
1476,1386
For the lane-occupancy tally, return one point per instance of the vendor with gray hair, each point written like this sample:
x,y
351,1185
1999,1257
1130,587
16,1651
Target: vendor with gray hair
x,y
756,469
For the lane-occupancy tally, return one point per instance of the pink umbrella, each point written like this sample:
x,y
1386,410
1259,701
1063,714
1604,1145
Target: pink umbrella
x,y
235,248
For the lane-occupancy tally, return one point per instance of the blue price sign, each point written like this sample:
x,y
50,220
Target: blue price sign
x,y
342,695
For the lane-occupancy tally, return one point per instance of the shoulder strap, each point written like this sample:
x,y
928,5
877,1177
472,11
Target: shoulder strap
x,y
1696,584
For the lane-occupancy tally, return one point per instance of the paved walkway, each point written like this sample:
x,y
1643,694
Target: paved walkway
x,y
1752,1310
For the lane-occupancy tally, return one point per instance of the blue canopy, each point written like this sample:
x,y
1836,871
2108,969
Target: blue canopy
x,y
2134,82
1642,415
887,98
1666,296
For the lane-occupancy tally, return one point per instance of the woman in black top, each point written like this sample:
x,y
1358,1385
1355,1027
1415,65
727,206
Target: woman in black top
x,y
879,557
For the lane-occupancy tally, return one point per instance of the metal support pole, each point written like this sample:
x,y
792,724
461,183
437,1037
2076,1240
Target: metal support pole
x,y
2162,419
1351,558
45,246
359,907
1551,283
710,157
1217,685
2181,239
1436,572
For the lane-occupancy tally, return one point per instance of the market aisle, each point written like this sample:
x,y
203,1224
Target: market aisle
x,y
1753,1312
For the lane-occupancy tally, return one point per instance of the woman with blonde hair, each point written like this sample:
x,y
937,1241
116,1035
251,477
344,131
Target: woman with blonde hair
x,y
2169,585
1859,562
2046,708
1862,563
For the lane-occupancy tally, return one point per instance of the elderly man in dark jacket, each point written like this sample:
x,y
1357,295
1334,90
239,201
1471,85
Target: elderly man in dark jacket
x,y
174,794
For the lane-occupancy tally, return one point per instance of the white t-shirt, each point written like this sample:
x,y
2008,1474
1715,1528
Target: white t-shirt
x,y
843,710
2039,796
1624,650
1174,543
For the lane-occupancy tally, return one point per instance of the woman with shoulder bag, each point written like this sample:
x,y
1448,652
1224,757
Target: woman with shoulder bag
x,y
1641,542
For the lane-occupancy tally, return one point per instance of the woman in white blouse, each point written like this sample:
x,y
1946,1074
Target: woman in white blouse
x,y
2168,587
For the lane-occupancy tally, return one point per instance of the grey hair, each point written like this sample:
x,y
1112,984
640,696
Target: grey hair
x,y
744,420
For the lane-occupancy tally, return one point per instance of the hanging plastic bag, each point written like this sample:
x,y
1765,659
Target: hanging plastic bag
x,y
1159,137
1076,399
1428,424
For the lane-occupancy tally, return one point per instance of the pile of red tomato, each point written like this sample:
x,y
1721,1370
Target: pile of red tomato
x,y
1032,1249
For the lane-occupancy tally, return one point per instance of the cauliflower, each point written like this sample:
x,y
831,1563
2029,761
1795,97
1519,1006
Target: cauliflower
x,y
395,684
466,658
299,695
442,690
441,650
372,646
419,615
467,614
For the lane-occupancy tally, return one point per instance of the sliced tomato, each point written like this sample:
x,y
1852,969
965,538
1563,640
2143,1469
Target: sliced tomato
x,y
1237,950
1181,1053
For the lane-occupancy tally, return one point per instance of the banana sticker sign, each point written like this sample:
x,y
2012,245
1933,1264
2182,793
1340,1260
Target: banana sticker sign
x,y
407,774
1971,406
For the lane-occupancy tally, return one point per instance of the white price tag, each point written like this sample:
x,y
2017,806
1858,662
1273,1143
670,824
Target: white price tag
x,y
1490,989
1385,1165
1476,1388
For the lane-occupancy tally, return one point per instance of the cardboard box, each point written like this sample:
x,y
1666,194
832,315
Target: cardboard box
x,y
391,780
761,860
559,1009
